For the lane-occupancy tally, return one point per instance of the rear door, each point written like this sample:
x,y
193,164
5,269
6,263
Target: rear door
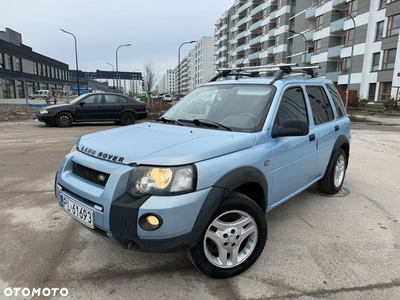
x,y
113,106
326,126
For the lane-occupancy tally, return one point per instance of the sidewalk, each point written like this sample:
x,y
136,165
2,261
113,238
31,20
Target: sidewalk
x,y
379,120
31,102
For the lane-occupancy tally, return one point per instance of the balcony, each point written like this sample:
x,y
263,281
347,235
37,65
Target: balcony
x,y
241,22
240,35
334,51
240,48
334,76
255,40
337,25
310,13
254,56
309,35
256,10
255,25
242,8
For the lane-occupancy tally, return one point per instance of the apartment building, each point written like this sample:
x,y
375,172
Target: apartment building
x,y
23,71
354,42
166,85
197,67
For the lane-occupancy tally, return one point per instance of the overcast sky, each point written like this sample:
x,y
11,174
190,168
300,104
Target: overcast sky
x,y
155,28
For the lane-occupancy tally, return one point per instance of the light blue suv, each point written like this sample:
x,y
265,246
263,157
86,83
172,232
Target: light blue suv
x,y
202,177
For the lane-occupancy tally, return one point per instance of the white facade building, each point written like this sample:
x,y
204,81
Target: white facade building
x,y
322,32
167,83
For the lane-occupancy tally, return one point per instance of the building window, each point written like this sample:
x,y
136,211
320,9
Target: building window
x,y
317,47
2,61
18,65
393,25
346,65
384,91
10,63
379,31
389,58
375,61
382,4
35,68
371,92
277,40
349,39
353,6
320,20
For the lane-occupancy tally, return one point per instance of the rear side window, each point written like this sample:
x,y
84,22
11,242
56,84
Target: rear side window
x,y
292,106
337,100
320,105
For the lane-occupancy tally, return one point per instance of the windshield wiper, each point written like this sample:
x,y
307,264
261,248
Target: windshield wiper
x,y
209,123
169,120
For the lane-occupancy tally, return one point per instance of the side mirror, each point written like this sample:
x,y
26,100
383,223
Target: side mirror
x,y
81,103
290,128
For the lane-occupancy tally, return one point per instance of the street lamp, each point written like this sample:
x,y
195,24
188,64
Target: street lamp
x,y
76,57
305,44
179,67
351,55
113,72
116,61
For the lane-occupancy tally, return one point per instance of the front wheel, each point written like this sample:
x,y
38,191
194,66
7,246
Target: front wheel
x,y
233,240
333,180
127,118
64,119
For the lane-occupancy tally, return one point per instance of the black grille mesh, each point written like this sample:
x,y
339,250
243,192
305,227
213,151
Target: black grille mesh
x,y
91,175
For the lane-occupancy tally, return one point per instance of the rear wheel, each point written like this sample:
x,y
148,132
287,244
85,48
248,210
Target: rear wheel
x,y
333,180
128,118
233,240
64,119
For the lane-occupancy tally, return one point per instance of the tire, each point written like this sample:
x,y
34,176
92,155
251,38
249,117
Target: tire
x,y
333,179
64,119
227,247
128,118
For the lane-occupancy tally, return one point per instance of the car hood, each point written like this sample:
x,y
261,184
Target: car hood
x,y
162,144
56,106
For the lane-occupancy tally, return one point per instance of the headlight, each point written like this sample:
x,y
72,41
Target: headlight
x,y
43,111
146,180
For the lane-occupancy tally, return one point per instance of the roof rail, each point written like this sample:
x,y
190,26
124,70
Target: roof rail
x,y
254,71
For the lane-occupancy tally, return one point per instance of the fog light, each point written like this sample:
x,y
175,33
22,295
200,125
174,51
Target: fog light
x,y
150,222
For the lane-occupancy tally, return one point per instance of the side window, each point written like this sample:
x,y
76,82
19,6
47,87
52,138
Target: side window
x,y
337,100
122,100
292,106
93,99
320,105
111,99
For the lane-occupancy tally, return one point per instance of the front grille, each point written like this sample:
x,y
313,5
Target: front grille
x,y
91,175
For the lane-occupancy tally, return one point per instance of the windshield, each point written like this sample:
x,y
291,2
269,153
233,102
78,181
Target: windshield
x,y
234,107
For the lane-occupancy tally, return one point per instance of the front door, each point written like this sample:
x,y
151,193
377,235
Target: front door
x,y
90,108
294,157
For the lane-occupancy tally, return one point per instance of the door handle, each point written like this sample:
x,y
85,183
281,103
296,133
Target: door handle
x,y
336,127
311,137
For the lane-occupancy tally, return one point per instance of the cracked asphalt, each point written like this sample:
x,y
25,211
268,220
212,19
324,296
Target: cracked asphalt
x,y
319,247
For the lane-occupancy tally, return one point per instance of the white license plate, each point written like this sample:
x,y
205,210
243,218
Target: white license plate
x,y
79,212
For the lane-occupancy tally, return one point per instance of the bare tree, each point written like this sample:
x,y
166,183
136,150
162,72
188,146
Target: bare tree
x,y
150,77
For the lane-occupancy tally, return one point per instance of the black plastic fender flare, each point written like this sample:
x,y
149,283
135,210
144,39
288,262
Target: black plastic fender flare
x,y
225,185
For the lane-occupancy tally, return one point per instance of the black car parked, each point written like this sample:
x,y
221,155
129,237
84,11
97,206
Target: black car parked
x,y
94,107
